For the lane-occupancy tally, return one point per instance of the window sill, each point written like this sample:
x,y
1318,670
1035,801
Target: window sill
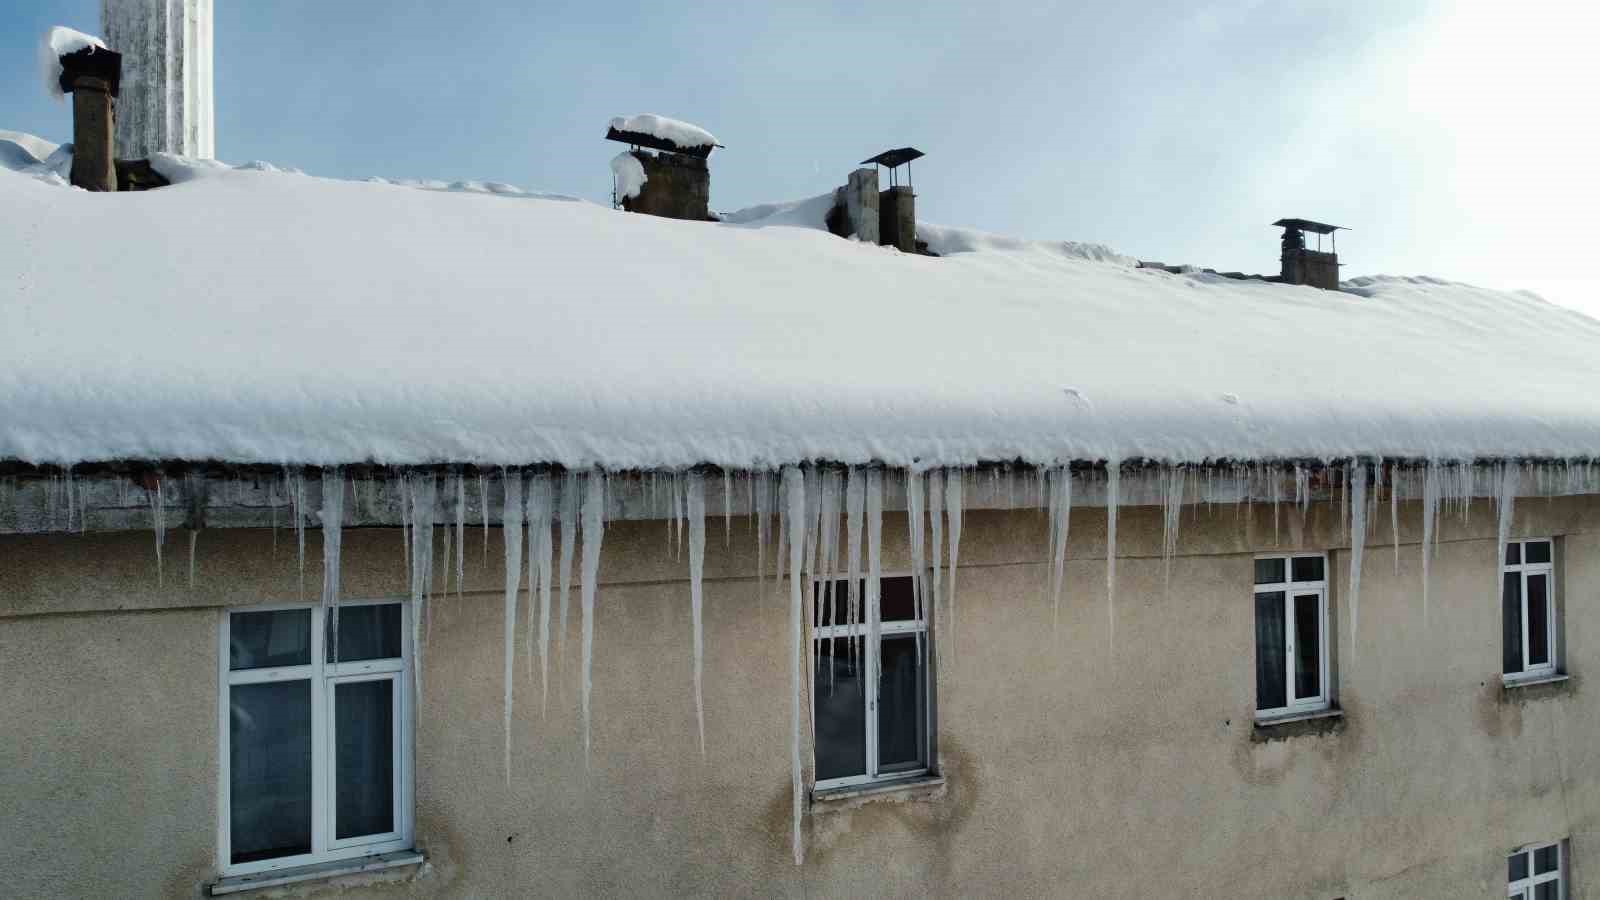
x,y
918,788
237,884
1532,687
1322,721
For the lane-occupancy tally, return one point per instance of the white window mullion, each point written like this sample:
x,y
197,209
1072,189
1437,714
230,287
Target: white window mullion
x,y
1288,647
870,675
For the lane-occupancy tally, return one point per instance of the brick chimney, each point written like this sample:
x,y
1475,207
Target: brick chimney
x,y
93,77
1309,267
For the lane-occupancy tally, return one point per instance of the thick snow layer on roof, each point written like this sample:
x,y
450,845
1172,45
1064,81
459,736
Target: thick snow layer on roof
x,y
683,134
252,315
58,42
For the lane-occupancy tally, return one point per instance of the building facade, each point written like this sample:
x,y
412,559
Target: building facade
x,y
1108,749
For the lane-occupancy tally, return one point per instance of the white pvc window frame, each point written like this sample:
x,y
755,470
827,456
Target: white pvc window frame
x,y
1527,888
1528,571
871,633
325,677
1292,589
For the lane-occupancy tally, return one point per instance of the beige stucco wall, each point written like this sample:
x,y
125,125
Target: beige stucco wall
x,y
1078,765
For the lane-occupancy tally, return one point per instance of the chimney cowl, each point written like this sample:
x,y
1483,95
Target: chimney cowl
x,y
92,62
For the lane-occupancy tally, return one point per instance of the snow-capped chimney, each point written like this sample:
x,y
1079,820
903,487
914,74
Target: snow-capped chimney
x,y
166,104
1309,267
92,75
897,204
674,183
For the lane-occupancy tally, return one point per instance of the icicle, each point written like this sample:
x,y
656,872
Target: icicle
x,y
158,522
1358,544
795,495
854,500
874,554
594,498
918,529
569,534
727,507
952,510
1302,488
540,554
829,540
405,522
511,530
483,507
1113,485
423,490
332,516
1172,503
695,489
1277,531
461,535
1394,514
1430,512
935,480
1344,497
1510,481
763,508
1060,526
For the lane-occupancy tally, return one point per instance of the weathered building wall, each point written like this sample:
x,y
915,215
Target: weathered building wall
x,y
1078,764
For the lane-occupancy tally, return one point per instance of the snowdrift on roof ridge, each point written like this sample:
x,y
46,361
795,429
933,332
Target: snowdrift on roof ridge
x,y
255,316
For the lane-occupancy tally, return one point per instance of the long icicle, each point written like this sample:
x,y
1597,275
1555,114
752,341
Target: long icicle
x,y
855,501
423,490
1430,513
795,496
594,500
935,480
918,528
569,539
1358,544
952,511
1394,513
1060,527
1510,480
511,529
332,516
695,488
540,504
1113,486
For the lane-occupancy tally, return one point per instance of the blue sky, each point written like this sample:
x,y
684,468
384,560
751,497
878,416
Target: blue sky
x,y
1453,138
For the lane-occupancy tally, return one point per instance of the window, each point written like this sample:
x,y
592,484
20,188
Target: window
x,y
1534,873
1528,610
1291,596
316,739
870,728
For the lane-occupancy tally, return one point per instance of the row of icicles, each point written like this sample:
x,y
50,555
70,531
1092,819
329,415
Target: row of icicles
x,y
810,503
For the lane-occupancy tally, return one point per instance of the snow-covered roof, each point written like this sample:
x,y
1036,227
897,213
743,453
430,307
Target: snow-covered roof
x,y
684,134
251,315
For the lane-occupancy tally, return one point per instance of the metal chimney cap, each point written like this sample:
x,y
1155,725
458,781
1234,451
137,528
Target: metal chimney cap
x,y
893,158
1308,225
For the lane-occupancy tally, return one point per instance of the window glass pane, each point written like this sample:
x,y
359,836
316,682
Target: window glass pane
x,y
1308,568
269,770
1545,860
900,706
841,709
1538,621
1537,551
1513,553
1518,867
897,600
1270,571
260,640
1549,890
364,757
1270,651
365,632
834,608
1307,646
1511,622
